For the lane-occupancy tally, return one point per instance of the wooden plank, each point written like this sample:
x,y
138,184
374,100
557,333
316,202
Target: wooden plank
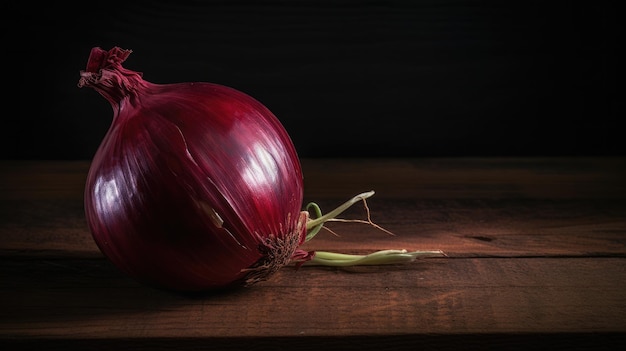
x,y
421,178
467,178
466,228
474,228
39,180
89,299
42,206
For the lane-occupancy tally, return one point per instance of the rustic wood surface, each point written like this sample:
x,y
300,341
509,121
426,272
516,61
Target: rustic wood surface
x,y
536,253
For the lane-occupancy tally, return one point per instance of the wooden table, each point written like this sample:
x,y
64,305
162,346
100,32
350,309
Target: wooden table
x,y
536,255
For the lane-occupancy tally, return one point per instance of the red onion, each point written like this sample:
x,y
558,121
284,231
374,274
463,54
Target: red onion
x,y
196,186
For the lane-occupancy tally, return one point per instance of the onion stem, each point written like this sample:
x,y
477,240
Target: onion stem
x,y
313,226
323,258
382,257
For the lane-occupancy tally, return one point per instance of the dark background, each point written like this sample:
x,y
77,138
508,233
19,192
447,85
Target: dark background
x,y
346,78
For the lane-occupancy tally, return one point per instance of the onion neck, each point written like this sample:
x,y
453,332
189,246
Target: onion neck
x,y
105,74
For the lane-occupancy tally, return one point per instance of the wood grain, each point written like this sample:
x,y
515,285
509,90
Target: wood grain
x,y
535,256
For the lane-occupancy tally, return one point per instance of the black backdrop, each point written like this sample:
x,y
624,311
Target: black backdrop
x,y
346,78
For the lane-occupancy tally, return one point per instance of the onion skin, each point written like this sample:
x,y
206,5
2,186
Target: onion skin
x,y
195,186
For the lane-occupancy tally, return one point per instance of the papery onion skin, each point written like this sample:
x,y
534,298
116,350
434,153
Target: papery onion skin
x,y
195,187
